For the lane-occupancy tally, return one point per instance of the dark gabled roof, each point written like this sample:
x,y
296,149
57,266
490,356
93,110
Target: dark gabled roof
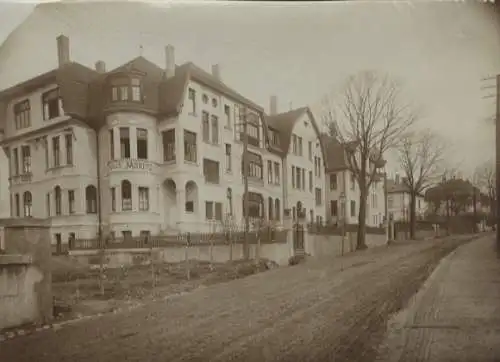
x,y
284,123
335,154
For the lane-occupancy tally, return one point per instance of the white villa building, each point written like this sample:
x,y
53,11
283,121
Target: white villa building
x,y
398,200
340,180
147,150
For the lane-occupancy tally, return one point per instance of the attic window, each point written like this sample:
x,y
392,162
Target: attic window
x,y
52,105
214,102
205,99
126,89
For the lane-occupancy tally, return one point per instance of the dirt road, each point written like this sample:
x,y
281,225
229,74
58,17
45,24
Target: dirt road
x,y
318,311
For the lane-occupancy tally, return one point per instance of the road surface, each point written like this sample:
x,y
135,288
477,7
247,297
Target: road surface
x,y
322,310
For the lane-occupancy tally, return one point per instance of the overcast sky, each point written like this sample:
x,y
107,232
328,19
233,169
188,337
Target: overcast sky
x,y
297,51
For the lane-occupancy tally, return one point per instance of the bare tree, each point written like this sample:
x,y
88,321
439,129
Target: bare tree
x,y
421,158
485,179
369,117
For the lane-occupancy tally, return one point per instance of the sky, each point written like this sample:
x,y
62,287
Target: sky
x,y
297,51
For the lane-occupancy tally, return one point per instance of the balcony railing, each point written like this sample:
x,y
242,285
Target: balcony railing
x,y
21,178
131,164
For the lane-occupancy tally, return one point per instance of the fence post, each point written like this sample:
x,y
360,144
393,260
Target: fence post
x,y
188,243
102,251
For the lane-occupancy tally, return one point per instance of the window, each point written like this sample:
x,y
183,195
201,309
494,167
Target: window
x,y
58,200
51,104
228,158
218,211
143,198
255,167
270,207
204,98
127,234
319,166
56,151
91,199
300,146
293,176
47,159
22,114
274,137
27,203
190,146
215,129
192,100
126,195
310,181
213,210
18,206
277,209
227,113
294,144
214,102
276,173
69,148
205,126
145,234
16,162
334,208
303,179
211,171
269,172
113,199
318,196
353,181
390,202
125,89
142,144
124,142
353,208
310,150
135,87
47,203
255,205
111,145
189,206
71,201
333,181
315,166
299,179
26,156
168,145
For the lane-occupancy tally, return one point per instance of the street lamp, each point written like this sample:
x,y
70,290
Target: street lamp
x,y
343,217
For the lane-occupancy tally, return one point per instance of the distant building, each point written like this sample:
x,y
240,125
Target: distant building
x,y
341,180
398,200
144,150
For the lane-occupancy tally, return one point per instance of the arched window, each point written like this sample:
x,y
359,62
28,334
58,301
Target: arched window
x,y
126,195
91,199
58,200
277,209
270,206
27,203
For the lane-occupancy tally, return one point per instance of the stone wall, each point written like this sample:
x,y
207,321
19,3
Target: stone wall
x,y
324,245
25,272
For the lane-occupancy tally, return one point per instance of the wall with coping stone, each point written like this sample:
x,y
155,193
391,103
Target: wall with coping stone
x,y
25,273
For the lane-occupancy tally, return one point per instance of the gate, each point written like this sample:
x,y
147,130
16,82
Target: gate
x,y
298,237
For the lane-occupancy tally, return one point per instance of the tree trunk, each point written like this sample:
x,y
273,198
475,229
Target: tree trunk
x,y
363,195
413,215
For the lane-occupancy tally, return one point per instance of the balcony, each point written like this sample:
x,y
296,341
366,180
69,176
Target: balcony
x,y
128,164
21,179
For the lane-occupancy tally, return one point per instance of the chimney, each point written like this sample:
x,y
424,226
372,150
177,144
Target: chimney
x,y
216,71
100,67
397,179
273,105
169,61
63,50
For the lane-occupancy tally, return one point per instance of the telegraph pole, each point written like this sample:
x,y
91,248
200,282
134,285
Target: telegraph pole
x,y
497,168
246,169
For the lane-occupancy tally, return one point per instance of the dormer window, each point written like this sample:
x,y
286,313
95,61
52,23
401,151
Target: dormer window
x,y
52,105
126,89
22,114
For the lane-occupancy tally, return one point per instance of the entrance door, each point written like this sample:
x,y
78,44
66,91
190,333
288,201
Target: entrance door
x,y
298,238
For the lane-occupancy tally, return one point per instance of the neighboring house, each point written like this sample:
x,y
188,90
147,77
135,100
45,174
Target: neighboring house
x,y
297,134
341,180
142,150
398,200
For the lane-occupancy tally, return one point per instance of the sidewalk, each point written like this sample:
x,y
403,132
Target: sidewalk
x,y
456,315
